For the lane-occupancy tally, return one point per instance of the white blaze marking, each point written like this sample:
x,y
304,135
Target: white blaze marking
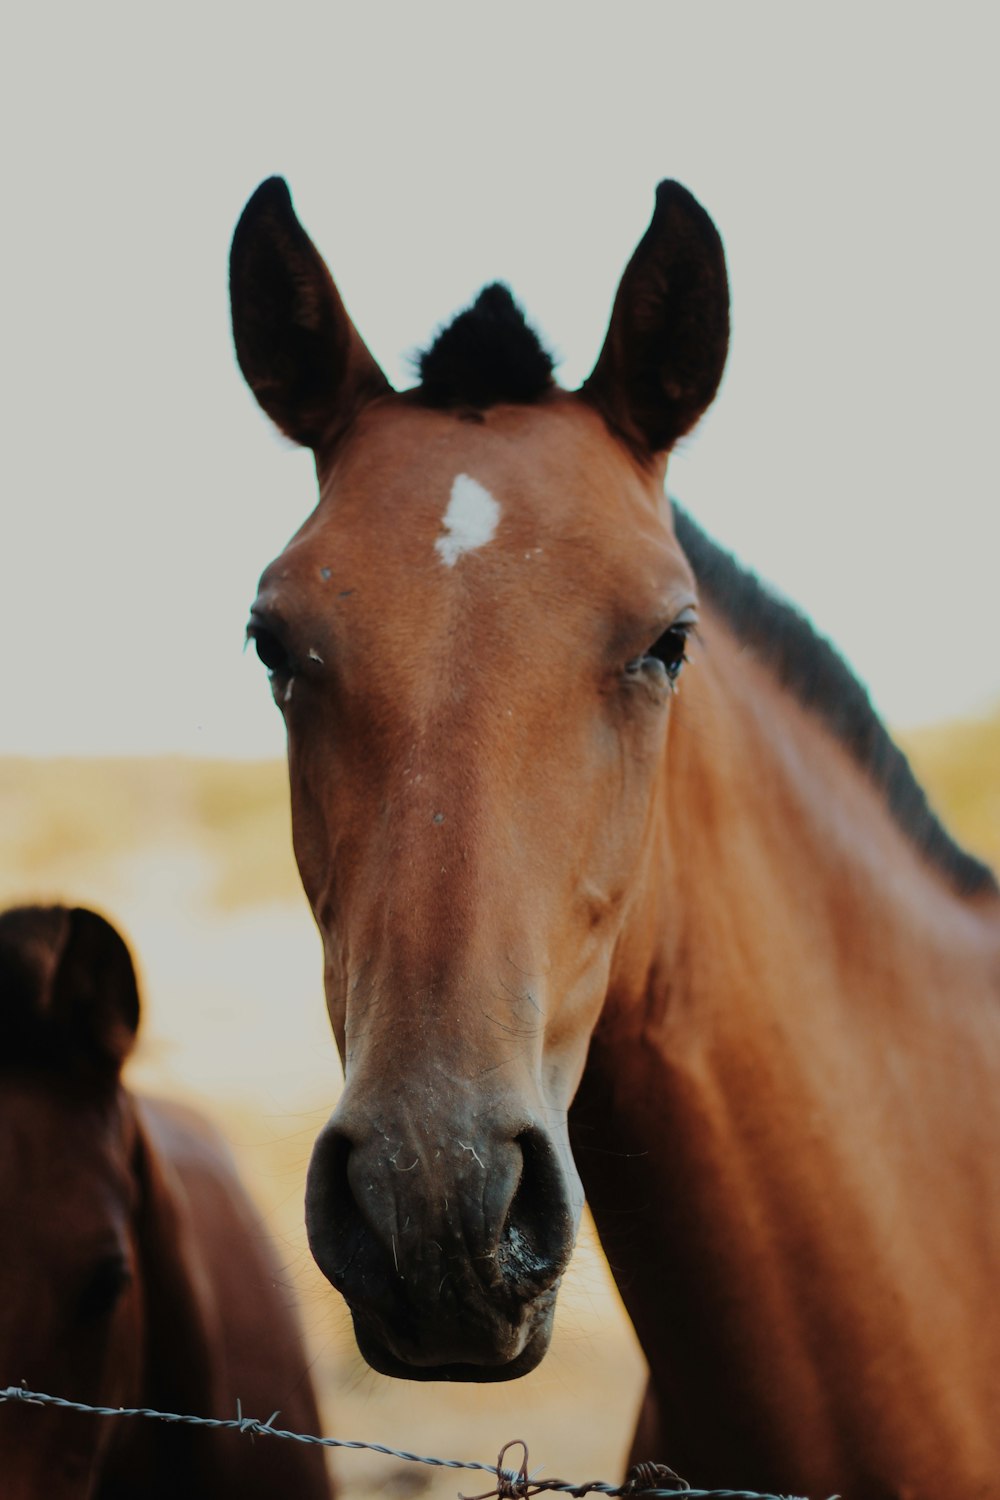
x,y
469,522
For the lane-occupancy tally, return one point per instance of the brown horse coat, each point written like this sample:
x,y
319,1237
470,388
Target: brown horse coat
x,y
716,941
135,1270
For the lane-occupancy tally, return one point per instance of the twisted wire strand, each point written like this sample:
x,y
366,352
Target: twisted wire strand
x,y
646,1481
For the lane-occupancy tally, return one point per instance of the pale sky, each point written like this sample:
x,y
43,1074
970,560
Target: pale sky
x,y
847,154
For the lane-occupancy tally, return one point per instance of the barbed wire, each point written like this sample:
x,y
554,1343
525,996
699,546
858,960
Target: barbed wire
x,y
645,1481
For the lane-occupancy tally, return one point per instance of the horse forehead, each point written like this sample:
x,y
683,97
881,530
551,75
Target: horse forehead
x,y
510,486
51,1144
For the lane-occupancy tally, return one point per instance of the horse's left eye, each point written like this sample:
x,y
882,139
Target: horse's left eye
x,y
667,654
671,650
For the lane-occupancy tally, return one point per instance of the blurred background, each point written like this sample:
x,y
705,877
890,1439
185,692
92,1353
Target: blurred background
x,y
846,154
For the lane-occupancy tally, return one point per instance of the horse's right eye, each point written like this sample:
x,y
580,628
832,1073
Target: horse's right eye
x,y
270,650
104,1286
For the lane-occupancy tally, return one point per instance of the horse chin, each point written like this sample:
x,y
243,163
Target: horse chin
x,y
484,1365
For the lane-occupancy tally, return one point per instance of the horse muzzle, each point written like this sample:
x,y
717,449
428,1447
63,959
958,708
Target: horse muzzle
x,y
448,1246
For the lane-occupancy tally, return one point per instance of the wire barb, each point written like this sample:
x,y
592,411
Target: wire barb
x,y
509,1485
642,1478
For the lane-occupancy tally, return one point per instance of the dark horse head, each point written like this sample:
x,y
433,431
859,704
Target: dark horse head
x,y
133,1267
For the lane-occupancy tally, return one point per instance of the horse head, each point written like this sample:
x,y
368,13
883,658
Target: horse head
x,y
71,1314
474,641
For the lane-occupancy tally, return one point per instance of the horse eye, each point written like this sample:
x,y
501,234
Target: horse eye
x,y
666,655
104,1286
671,650
270,650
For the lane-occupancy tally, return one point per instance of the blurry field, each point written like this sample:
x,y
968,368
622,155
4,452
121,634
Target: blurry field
x,y
193,860
959,765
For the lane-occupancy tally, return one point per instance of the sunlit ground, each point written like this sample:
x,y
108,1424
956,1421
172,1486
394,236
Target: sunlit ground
x,y
193,860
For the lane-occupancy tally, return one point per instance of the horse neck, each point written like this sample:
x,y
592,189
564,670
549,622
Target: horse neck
x,y
764,1097
780,892
182,1336
178,1337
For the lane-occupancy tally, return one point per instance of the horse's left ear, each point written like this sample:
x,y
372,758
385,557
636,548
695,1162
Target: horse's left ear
x,y
300,353
666,344
94,998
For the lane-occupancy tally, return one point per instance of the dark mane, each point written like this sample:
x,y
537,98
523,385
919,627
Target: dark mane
x,y
485,355
810,668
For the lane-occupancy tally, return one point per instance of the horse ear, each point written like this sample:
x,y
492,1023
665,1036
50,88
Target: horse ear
x,y
666,344
94,996
298,349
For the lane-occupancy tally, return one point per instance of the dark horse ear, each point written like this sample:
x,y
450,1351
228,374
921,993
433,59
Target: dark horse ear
x,y
301,354
68,992
94,997
666,344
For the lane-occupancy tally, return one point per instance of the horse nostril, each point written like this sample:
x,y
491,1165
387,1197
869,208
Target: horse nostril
x,y
537,1235
334,1226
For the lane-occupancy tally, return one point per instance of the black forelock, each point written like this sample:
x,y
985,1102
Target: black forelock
x,y
486,354
810,668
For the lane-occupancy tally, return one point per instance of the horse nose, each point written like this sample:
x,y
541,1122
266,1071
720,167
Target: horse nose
x,y
390,1217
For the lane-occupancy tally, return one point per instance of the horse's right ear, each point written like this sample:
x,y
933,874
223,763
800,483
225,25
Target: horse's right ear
x,y
93,1006
298,349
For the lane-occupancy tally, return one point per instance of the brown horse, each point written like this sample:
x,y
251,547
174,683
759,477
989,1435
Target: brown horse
x,y
714,939
134,1270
